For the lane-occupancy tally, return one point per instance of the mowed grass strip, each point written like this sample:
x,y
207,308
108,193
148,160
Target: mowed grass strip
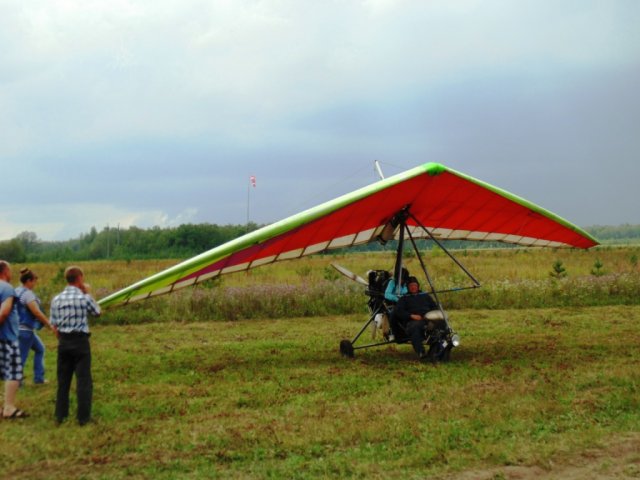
x,y
274,399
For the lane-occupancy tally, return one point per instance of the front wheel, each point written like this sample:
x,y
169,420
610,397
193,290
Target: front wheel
x,y
346,349
438,352
446,355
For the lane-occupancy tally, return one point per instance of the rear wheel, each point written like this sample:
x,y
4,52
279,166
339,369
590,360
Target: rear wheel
x,y
346,349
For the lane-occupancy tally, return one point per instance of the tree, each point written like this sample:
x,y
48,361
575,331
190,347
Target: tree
x,y
597,268
12,251
558,270
28,239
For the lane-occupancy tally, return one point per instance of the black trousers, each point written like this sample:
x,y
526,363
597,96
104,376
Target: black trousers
x,y
415,330
74,356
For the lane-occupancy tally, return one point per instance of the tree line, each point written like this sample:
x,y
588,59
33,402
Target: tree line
x,y
123,243
620,234
191,239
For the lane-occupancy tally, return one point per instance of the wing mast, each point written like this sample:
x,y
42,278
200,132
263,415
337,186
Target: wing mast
x,y
378,169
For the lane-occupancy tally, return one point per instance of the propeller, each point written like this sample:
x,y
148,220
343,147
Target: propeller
x,y
350,275
381,321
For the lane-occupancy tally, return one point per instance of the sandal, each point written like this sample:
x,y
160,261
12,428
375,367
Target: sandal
x,y
17,413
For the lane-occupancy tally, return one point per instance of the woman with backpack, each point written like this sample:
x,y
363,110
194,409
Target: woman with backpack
x,y
31,320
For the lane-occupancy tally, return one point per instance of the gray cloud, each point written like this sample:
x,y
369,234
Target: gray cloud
x,y
157,112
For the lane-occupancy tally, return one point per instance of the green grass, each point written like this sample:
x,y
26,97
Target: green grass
x,y
309,287
274,399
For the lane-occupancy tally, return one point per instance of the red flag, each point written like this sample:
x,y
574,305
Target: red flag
x,y
252,179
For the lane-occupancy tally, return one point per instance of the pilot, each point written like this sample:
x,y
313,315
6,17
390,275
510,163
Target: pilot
x,y
410,313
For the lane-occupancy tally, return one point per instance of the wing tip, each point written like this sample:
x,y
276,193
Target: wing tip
x,y
434,169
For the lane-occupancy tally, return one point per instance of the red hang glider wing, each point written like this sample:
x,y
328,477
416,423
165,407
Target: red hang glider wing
x,y
450,204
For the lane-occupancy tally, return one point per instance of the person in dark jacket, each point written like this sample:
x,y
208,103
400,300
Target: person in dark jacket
x,y
410,313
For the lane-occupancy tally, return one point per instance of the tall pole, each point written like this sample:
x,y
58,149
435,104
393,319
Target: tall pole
x,y
248,202
250,184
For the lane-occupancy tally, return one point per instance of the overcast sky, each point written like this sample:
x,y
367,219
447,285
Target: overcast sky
x,y
157,112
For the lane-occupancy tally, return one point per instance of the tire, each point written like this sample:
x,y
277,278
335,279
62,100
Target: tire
x,y
432,353
438,353
346,349
446,355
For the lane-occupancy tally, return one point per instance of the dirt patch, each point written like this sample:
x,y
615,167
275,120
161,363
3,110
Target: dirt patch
x,y
618,461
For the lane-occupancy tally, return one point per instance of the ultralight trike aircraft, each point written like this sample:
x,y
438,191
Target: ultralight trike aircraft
x,y
438,334
430,201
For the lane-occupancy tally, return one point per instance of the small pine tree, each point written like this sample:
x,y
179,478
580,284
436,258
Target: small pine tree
x,y
597,268
558,270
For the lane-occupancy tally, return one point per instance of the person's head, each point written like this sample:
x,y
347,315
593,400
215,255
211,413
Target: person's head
x,y
5,271
413,285
27,277
73,275
404,275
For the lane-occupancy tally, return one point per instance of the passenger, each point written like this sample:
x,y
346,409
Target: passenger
x,y
391,296
410,313
390,293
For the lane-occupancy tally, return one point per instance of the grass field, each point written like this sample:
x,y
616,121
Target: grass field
x,y
530,393
273,399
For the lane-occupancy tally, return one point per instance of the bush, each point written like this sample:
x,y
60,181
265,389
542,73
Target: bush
x,y
324,298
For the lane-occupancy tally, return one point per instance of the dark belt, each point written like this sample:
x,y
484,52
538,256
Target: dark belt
x,y
74,334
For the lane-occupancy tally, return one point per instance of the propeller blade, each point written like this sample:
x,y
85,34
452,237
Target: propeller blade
x,y
350,275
